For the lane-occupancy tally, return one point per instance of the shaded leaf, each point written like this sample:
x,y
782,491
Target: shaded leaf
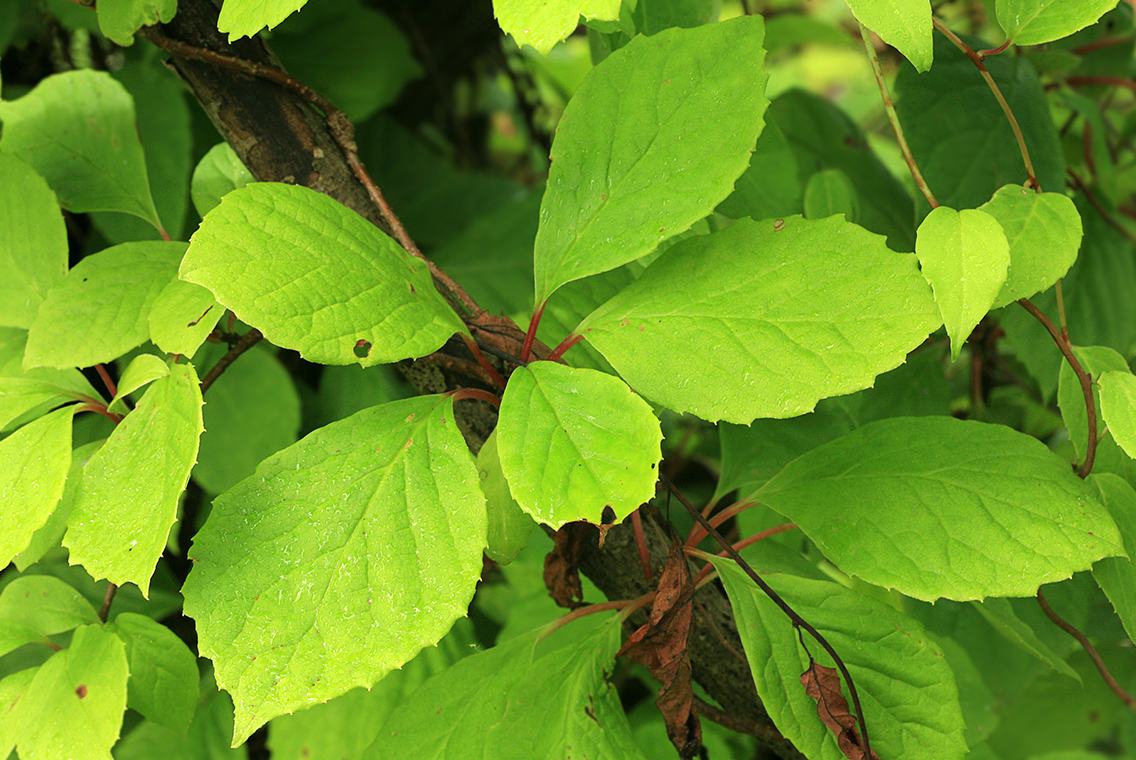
x,y
938,507
314,276
1002,618
509,525
1117,575
163,682
777,345
217,174
770,185
1118,407
602,443
635,160
33,607
831,192
346,536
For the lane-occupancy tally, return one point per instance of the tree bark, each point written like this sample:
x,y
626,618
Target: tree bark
x,y
281,138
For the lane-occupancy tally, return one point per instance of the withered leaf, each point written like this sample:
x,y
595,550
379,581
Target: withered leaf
x,y
561,571
823,684
660,645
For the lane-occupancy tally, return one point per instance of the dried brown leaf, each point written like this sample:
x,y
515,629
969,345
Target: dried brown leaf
x,y
823,684
561,571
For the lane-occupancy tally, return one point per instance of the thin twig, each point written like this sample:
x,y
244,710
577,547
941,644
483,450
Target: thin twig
x,y
108,599
747,541
247,341
1083,378
1070,629
1111,81
893,117
981,66
476,393
766,734
797,620
1108,217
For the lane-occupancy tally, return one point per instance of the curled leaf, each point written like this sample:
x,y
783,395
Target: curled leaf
x,y
823,684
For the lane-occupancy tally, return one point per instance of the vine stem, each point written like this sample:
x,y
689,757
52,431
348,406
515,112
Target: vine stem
x,y
530,336
1070,629
893,117
707,569
1083,378
341,130
476,393
697,534
108,600
798,621
981,66
565,344
626,607
246,341
490,370
110,386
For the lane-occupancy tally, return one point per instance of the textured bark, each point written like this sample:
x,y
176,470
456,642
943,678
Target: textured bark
x,y
281,138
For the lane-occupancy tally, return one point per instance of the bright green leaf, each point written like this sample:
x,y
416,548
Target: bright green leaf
x,y
101,308
218,173
965,257
1032,22
253,412
316,277
1117,575
120,19
906,688
182,317
33,241
33,465
765,318
543,23
142,370
1044,233
128,497
903,24
33,607
1096,361
600,444
77,129
831,192
19,395
510,703
1118,406
348,724
12,689
163,682
73,707
50,534
636,161
244,18
509,525
1002,618
339,560
937,507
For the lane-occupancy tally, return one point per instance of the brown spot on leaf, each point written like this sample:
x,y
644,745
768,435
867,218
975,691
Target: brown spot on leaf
x,y
81,690
362,348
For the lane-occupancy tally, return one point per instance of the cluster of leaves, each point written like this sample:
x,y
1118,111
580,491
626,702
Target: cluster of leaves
x,y
709,264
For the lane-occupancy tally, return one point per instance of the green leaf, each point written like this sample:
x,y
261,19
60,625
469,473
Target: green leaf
x,y
208,736
163,682
903,24
653,16
510,703
1032,22
33,242
182,317
101,308
74,705
823,137
769,186
1044,233
50,534
936,507
12,689
723,326
348,724
244,18
1096,361
1118,406
120,19
636,161
1002,618
602,443
543,23
253,412
218,173
1117,575
19,395
77,129
142,370
365,538
906,688
959,135
128,498
33,607
314,276
33,465
350,53
830,192
965,257
509,525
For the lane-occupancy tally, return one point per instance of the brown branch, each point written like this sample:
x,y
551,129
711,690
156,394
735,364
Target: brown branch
x,y
976,59
734,723
108,600
1083,378
1070,629
247,341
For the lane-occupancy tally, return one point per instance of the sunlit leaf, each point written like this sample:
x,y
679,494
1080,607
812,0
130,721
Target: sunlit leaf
x,y
33,465
34,607
543,23
244,18
120,19
1032,22
33,242
1118,406
903,24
